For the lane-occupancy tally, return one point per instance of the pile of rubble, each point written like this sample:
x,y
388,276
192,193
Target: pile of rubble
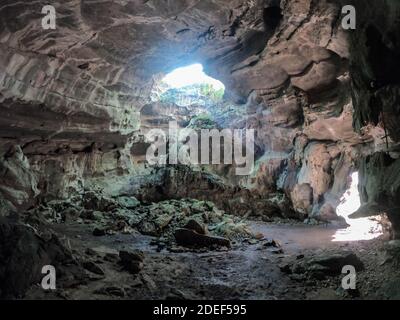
x,y
187,222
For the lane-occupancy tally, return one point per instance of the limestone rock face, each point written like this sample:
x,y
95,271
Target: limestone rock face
x,y
76,101
19,185
375,69
302,198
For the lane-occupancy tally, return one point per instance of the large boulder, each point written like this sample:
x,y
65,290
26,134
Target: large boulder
x,y
23,254
302,198
190,238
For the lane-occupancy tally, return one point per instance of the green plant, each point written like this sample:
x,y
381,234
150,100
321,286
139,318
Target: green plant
x,y
202,121
209,91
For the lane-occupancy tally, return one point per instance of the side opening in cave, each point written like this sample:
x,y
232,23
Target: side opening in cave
x,y
366,228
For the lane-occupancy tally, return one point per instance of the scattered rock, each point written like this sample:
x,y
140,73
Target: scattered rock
x,y
99,232
322,265
286,268
252,241
133,267
127,256
149,282
90,252
91,215
334,262
391,289
271,243
176,249
126,215
111,257
148,228
132,261
128,202
176,294
393,251
98,202
393,246
136,283
323,294
70,214
111,291
93,267
163,220
187,237
195,226
259,236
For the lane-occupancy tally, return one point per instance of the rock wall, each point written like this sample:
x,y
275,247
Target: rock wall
x,y
76,101
375,69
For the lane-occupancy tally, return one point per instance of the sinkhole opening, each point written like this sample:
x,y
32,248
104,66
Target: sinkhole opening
x,y
191,75
359,229
189,85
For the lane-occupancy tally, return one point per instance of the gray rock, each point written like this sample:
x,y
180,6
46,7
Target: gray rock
x,y
322,265
111,257
111,291
70,214
93,267
99,232
127,256
334,262
148,228
128,202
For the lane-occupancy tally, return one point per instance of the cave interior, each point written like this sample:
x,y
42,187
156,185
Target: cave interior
x,y
110,173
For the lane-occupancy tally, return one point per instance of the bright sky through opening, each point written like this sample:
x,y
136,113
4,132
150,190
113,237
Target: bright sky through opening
x,y
191,75
359,229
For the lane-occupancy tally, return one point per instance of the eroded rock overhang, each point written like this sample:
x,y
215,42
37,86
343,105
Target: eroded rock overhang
x,y
74,99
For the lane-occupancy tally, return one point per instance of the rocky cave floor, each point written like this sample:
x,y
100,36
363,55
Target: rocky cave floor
x,y
112,258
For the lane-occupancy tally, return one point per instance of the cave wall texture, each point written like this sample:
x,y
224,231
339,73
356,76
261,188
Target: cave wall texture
x,y
76,100
375,66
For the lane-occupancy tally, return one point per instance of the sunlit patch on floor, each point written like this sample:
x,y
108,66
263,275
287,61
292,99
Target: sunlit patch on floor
x,y
359,229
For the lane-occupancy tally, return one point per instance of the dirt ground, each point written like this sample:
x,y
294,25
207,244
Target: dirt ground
x,y
249,270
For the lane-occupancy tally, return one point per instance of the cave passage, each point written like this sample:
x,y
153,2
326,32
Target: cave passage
x,y
366,228
203,150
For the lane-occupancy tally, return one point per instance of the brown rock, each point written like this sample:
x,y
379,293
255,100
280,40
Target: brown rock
x,y
195,226
132,261
302,198
187,237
